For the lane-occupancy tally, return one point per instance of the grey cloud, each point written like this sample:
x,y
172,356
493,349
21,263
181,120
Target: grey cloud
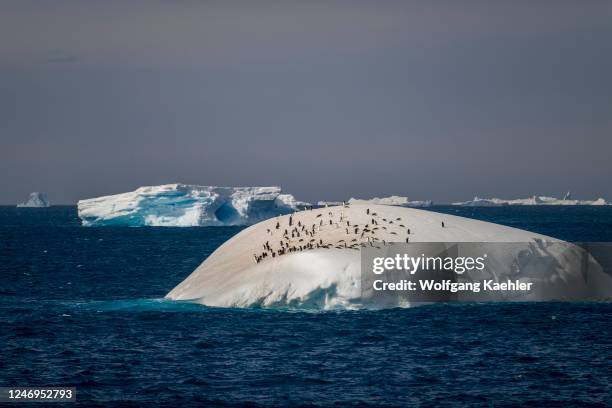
x,y
439,100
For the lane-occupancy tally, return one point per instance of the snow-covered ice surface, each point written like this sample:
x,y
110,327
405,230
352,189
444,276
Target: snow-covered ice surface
x,y
535,200
392,200
182,205
36,200
329,278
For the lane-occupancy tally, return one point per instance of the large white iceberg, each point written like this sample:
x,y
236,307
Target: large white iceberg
x,y
182,205
535,200
321,267
36,200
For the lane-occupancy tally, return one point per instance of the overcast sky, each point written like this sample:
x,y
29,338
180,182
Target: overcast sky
x,y
433,100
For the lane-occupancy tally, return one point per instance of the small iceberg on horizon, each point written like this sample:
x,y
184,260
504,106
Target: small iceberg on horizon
x,y
534,200
398,201
36,200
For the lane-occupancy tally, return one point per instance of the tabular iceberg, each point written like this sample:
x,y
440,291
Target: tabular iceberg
x,y
393,200
399,201
182,205
36,200
328,203
535,200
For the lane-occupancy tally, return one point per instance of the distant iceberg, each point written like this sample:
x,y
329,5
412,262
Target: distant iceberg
x,y
36,200
535,200
182,205
328,203
397,201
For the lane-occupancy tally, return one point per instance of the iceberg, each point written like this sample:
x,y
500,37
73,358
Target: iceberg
x,y
322,269
328,203
183,205
535,200
36,200
392,200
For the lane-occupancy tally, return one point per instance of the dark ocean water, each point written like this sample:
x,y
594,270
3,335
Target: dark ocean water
x,y
83,307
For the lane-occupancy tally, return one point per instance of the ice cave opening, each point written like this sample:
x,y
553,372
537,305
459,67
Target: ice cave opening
x,y
227,214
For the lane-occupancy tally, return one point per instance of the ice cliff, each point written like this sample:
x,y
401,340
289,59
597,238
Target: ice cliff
x,y
36,200
182,205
